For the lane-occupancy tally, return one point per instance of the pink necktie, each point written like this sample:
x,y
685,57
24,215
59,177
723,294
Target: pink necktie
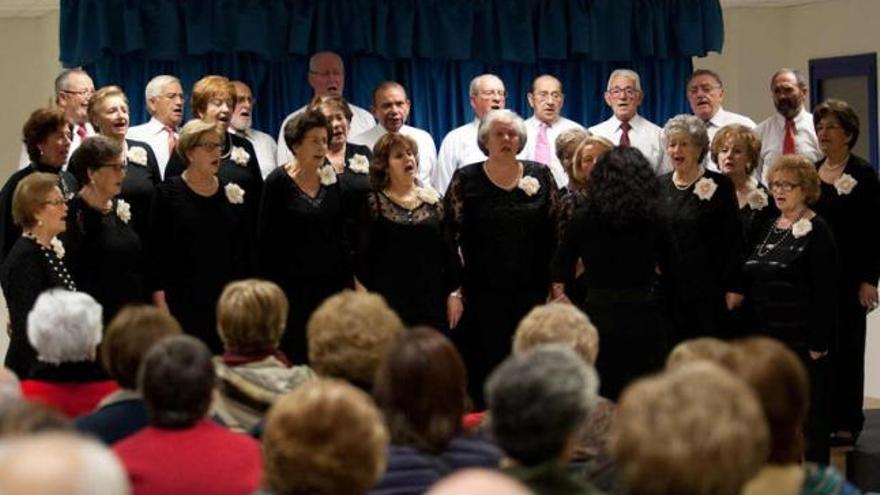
x,y
624,134
81,132
172,140
542,145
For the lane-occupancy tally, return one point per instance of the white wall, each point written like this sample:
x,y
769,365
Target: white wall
x,y
760,40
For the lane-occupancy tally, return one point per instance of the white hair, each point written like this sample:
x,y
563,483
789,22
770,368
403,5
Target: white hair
x,y
157,85
501,115
65,326
630,74
477,82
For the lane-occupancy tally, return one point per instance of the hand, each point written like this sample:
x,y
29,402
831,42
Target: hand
x,y
159,301
815,355
868,296
733,300
454,309
358,286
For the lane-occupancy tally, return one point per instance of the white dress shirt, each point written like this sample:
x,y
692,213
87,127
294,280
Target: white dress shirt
x,y
155,135
644,135
427,150
459,148
24,160
264,145
361,121
772,134
555,129
722,118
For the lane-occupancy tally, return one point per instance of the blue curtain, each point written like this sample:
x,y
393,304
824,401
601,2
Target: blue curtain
x,y
433,47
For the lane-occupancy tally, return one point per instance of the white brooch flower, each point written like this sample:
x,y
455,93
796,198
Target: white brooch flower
x,y
529,185
845,184
239,155
137,155
757,199
427,194
359,163
802,227
327,174
705,188
58,247
234,193
123,211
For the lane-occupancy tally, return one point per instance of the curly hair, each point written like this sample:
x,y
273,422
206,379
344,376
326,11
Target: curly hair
x,y
803,170
557,323
740,134
622,187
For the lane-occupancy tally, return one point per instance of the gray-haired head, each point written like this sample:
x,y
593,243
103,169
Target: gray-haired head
x,y
501,116
798,76
539,399
630,74
157,85
61,81
477,83
692,127
65,326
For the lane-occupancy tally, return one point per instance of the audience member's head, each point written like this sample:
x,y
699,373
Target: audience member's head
x,y
176,380
349,335
129,336
46,136
326,74
65,326
478,482
557,323
538,401
546,98
251,316
325,437
694,430
700,349
24,417
60,464
164,97
421,389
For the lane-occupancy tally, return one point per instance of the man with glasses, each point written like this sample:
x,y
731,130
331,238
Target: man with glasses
x,y
705,94
241,124
459,147
327,78
164,98
546,99
626,127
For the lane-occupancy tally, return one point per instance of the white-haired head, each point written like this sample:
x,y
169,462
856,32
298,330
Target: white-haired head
x,y
629,74
65,326
157,85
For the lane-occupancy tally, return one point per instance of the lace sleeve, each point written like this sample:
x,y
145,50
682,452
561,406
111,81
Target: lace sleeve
x,y
453,205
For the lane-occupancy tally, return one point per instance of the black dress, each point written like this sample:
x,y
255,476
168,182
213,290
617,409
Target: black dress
x,y
792,284
198,244
569,203
753,216
9,232
304,249
27,271
850,216
407,256
704,257
355,185
106,256
620,261
507,238
140,181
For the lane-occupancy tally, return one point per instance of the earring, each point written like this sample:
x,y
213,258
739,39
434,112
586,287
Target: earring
x,y
41,151
39,223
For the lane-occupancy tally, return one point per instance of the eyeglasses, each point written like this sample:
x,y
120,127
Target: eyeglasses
x,y
119,167
326,73
55,202
827,127
618,92
488,93
83,92
208,146
783,185
704,88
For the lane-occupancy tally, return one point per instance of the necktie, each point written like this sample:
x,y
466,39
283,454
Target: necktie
x,y
788,142
81,132
542,145
172,140
624,134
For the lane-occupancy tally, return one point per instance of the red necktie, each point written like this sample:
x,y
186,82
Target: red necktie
x,y
788,146
624,134
81,132
172,140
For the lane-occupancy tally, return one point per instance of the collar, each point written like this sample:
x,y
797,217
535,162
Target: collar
x,y
633,122
237,359
77,371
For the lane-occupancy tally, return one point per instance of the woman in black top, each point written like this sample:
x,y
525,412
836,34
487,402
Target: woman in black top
x,y
701,279
106,254
619,236
403,251
850,197
36,261
791,277
503,215
303,247
200,234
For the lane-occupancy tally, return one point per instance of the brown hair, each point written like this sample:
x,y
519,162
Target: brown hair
x,y
208,88
333,101
575,163
99,97
700,349
29,198
38,127
739,134
805,172
94,153
379,176
844,113
251,316
557,323
129,336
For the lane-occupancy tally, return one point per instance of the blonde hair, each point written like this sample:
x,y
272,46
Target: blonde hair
x,y
29,198
805,172
99,97
700,349
192,133
251,315
574,165
739,134
557,323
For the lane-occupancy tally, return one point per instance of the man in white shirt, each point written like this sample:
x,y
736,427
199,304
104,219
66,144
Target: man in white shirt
x,y
790,129
546,99
459,147
391,108
73,90
326,77
705,93
626,127
240,124
164,98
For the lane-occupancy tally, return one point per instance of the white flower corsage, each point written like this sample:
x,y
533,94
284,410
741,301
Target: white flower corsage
x,y
529,185
705,188
802,227
845,184
123,211
327,174
137,155
427,194
234,193
58,247
239,155
757,199
359,164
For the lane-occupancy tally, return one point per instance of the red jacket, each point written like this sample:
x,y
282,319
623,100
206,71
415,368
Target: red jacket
x,y
71,398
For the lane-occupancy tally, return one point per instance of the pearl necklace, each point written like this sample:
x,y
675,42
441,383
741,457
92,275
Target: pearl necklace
x,y
682,186
56,264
